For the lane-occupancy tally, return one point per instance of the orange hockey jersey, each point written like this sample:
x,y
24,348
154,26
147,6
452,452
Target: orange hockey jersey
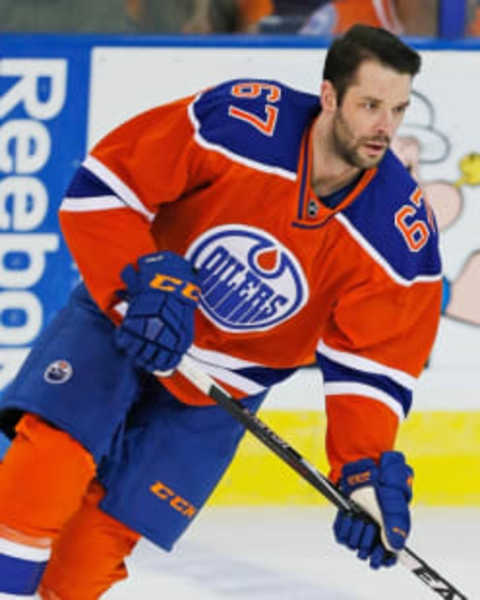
x,y
223,178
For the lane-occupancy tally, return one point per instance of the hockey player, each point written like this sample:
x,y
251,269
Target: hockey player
x,y
252,226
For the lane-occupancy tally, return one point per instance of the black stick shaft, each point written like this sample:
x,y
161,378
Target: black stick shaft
x,y
294,459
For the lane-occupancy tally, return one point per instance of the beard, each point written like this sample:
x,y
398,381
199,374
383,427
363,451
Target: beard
x,y
348,147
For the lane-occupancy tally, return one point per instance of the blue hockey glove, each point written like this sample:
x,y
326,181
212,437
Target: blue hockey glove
x,y
383,491
158,326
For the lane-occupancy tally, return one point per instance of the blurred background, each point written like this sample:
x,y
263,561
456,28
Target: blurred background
x,y
434,18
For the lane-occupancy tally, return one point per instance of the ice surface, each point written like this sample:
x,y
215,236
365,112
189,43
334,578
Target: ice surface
x,y
289,554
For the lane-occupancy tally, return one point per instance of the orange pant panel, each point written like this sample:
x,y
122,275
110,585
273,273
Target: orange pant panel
x,y
88,557
43,477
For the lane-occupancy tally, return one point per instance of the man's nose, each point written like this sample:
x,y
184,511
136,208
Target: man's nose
x,y
385,123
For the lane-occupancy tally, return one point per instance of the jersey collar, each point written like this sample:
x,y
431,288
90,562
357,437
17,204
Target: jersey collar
x,y
311,211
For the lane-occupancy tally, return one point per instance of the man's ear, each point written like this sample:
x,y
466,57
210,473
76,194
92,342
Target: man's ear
x,y
328,96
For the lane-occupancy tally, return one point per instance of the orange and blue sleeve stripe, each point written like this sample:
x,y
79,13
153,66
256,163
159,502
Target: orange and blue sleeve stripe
x,y
347,374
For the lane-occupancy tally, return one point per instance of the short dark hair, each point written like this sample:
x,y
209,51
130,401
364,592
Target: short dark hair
x,y
361,43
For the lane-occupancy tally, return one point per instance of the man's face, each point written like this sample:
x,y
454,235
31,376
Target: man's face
x,y
371,111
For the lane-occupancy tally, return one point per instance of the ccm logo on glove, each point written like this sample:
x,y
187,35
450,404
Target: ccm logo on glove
x,y
167,283
162,295
358,478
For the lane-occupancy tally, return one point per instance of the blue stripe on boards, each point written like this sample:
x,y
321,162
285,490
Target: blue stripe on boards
x,y
23,42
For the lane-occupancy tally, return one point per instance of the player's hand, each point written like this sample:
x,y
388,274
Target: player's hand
x,y
384,491
158,326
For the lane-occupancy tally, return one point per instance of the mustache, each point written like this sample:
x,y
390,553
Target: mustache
x,y
377,140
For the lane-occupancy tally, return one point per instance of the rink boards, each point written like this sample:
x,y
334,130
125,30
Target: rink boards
x,y
60,94
441,446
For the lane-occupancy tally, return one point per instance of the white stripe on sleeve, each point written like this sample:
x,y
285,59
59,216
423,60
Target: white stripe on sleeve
x,y
360,389
91,204
367,365
23,551
118,186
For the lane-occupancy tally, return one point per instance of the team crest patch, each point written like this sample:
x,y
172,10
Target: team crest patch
x,y
249,280
59,371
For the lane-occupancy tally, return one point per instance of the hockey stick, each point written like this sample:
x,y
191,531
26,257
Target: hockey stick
x,y
289,455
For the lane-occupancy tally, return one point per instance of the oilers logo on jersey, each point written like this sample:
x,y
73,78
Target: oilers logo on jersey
x,y
249,280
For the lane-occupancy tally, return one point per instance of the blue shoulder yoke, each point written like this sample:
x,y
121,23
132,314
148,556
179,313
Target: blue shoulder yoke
x,y
257,120
374,213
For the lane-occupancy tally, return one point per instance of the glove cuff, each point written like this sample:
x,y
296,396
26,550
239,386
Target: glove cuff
x,y
358,474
